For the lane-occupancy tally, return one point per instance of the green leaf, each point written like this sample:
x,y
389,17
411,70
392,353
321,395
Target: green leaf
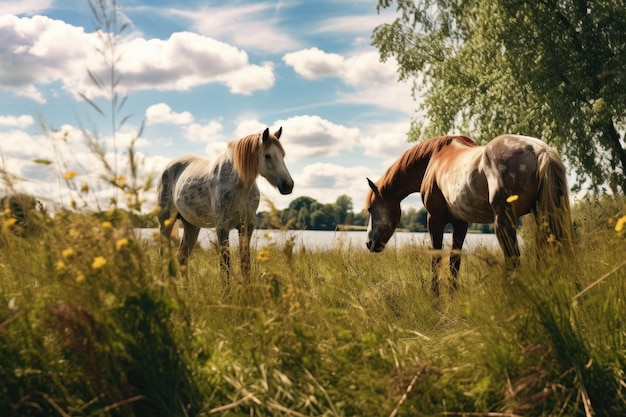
x,y
42,161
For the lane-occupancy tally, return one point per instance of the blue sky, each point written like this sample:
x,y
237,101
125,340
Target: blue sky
x,y
201,73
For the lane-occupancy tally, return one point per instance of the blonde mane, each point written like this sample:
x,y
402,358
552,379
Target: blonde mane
x,y
418,154
245,153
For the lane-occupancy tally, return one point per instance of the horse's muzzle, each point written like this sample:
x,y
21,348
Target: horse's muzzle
x,y
285,187
375,245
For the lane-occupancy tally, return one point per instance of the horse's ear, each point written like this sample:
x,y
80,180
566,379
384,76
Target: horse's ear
x,y
266,134
278,132
373,186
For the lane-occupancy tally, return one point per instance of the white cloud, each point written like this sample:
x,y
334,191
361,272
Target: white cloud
x,y
364,24
372,82
35,52
386,141
312,136
250,78
16,121
250,26
204,133
16,7
248,126
313,63
364,68
325,182
162,113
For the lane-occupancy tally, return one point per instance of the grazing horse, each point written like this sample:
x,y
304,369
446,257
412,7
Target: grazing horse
x,y
221,193
462,182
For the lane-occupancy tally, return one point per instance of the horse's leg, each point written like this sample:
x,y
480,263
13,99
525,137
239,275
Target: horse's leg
x,y
435,228
504,226
459,231
223,245
190,236
167,218
245,234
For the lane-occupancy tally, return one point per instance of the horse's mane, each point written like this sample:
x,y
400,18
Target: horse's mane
x,y
422,151
245,153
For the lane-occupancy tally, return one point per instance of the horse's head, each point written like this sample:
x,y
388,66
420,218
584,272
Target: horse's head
x,y
272,164
384,218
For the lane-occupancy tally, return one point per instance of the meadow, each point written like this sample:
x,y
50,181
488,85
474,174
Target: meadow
x,y
97,322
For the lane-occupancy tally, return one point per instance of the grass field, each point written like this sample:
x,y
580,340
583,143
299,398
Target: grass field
x,y
94,322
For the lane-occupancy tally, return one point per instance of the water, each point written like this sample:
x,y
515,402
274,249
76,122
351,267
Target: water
x,y
315,240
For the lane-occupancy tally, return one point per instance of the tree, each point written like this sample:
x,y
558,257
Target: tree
x,y
552,69
344,209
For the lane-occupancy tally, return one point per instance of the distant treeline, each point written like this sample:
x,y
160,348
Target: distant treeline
x,y
306,213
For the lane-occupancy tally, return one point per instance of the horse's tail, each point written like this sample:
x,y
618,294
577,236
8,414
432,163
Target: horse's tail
x,y
168,214
552,209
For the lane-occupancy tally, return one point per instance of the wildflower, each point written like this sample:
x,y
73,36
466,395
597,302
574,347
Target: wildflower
x,y
67,253
74,233
70,174
80,278
9,222
120,181
263,255
7,211
106,225
59,266
84,188
512,198
619,225
121,243
73,203
98,262
168,222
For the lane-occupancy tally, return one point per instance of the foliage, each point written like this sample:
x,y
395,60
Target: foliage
x,y
551,69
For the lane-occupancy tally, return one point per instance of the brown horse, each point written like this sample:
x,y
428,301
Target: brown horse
x,y
462,182
221,193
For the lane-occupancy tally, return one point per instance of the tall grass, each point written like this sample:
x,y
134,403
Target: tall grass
x,y
92,322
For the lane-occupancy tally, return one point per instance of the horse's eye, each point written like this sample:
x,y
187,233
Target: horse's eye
x,y
268,156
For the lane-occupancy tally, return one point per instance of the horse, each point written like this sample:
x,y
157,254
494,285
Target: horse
x,y
221,193
460,182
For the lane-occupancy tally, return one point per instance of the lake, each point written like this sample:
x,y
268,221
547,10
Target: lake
x,y
316,240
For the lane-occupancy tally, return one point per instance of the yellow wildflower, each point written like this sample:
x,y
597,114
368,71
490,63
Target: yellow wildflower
x,y
84,188
98,262
120,181
67,253
106,225
168,222
73,203
80,278
59,266
74,233
70,174
7,211
121,243
263,255
619,225
512,198
9,222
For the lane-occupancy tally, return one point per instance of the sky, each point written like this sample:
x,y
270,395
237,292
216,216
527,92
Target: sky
x,y
196,75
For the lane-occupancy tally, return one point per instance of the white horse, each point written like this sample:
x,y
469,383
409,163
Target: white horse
x,y
221,194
